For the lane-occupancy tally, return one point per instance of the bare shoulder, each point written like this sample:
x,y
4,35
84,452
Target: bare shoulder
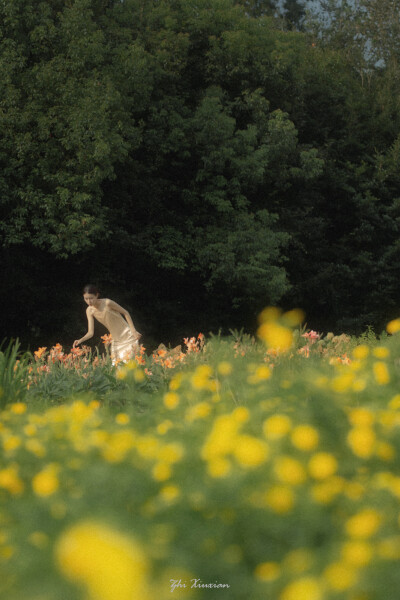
x,y
90,311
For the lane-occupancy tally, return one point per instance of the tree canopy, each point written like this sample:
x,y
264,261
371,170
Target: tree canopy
x,y
199,159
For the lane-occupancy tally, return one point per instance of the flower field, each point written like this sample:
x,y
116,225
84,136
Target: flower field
x,y
226,469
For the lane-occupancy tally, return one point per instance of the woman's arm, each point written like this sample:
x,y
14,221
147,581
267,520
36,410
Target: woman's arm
x,y
114,306
90,328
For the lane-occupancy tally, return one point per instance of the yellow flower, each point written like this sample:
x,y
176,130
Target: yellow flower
x,y
171,453
294,317
307,588
175,382
393,326
218,467
241,414
11,443
289,470
362,441
357,553
224,368
171,400
201,377
322,465
394,403
364,524
267,571
221,438
305,437
262,372
121,373
360,352
139,375
169,493
325,491
280,499
163,427
381,352
10,480
343,382
122,419
299,560
112,566
161,471
18,408
198,411
271,313
276,426
275,335
381,373
46,482
361,417
340,576
249,451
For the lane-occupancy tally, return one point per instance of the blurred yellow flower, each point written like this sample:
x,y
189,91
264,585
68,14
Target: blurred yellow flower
x,y
276,426
322,465
364,524
271,313
241,414
307,588
225,368
175,382
164,426
18,408
122,419
267,571
280,499
46,482
357,553
169,493
218,467
381,373
343,382
201,410
10,480
275,336
362,441
305,437
340,576
294,317
111,565
360,352
161,471
361,417
289,470
298,560
250,451
171,400
381,352
393,326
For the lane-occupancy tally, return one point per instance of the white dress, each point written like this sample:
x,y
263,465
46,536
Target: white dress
x,y
124,344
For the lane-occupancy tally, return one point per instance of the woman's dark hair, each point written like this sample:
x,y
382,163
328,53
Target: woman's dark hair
x,y
90,289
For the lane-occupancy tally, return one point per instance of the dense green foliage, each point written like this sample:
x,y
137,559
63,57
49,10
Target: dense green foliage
x,y
279,479
199,160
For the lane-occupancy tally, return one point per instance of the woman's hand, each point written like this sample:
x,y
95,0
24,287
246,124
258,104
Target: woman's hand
x,y
76,343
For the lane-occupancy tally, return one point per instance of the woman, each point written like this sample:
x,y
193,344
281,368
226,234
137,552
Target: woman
x,y
125,338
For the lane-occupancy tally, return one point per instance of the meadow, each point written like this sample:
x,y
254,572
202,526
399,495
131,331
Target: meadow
x,y
227,468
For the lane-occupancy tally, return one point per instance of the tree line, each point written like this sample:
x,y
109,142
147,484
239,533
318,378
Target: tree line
x,y
198,160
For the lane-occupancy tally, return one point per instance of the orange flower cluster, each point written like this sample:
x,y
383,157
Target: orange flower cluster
x,y
76,358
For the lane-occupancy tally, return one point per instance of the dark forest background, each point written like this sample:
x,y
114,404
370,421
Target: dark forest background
x,y
198,160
